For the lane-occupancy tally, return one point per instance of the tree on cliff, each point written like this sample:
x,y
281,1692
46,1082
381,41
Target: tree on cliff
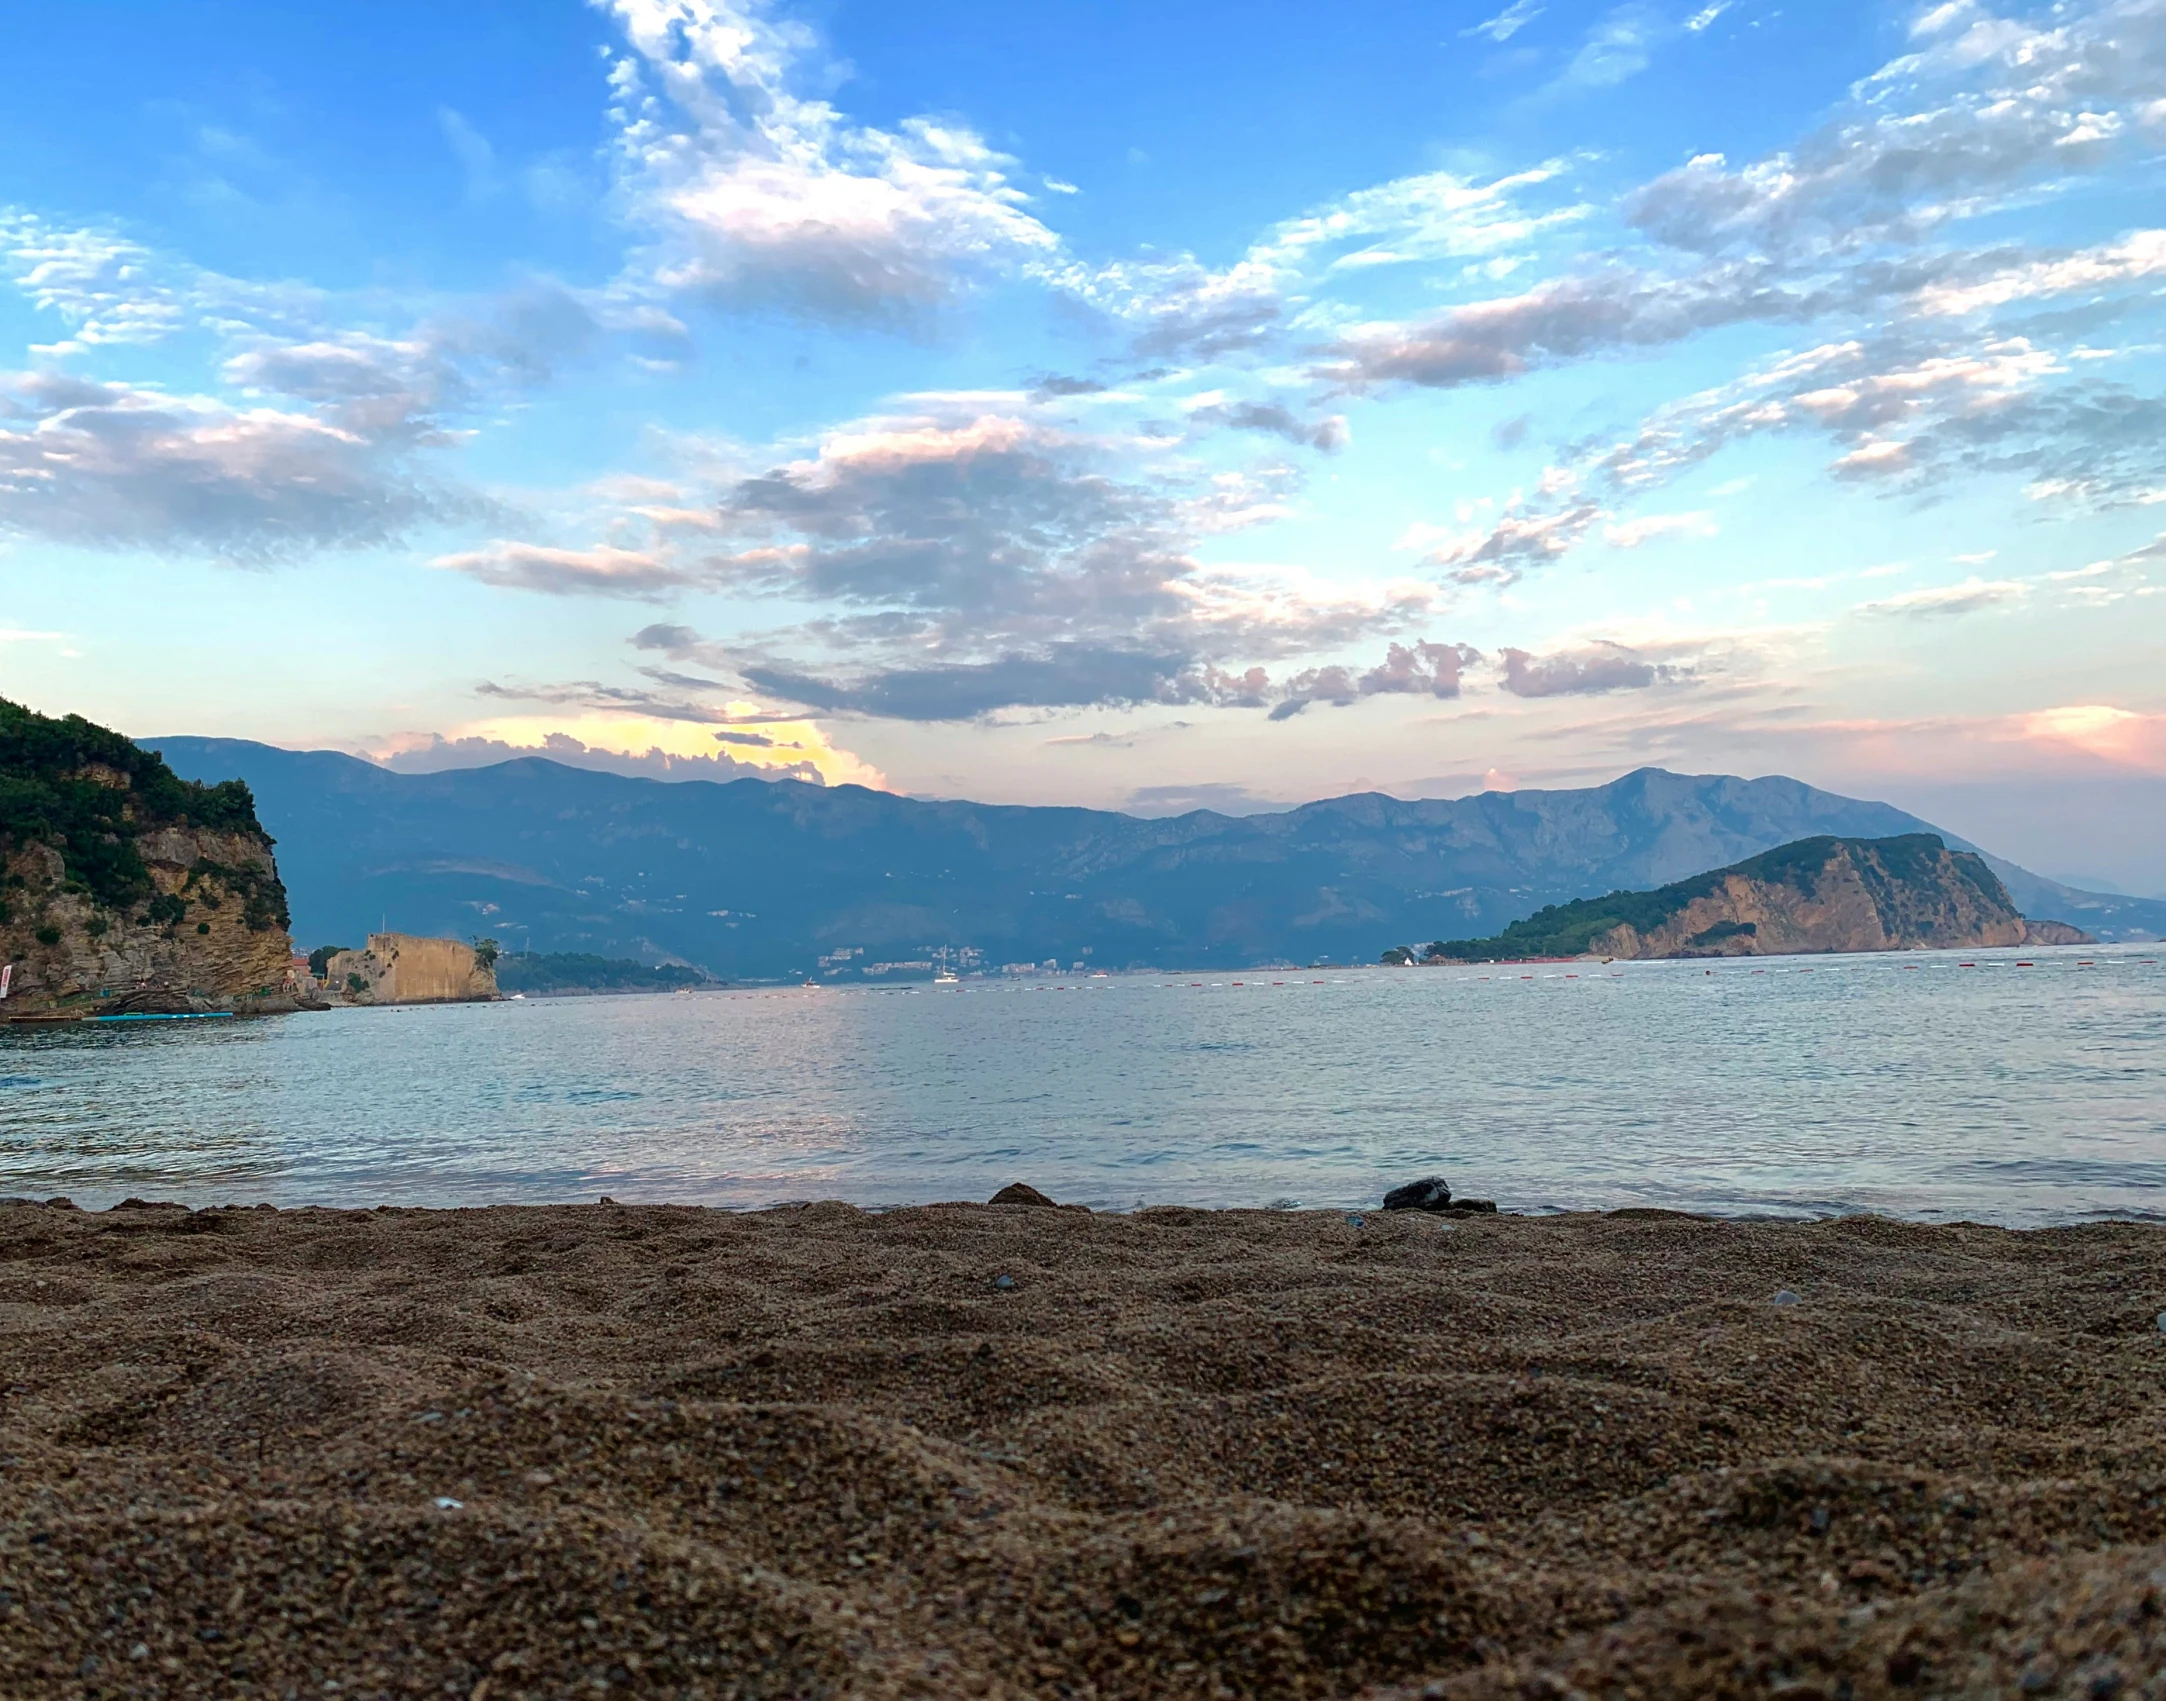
x,y
486,953
89,793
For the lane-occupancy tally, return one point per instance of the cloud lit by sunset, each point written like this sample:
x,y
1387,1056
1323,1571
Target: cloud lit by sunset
x,y
740,387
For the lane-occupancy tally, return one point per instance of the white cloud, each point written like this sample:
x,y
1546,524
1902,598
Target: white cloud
x,y
1532,532
1181,308
972,553
477,159
1507,23
2137,258
1430,216
1618,48
1645,528
1987,108
110,291
1834,229
1893,409
1967,598
1560,320
601,570
1588,670
761,195
241,472
121,466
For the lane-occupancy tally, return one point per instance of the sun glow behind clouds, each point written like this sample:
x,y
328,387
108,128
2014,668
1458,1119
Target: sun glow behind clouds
x,y
776,745
2117,735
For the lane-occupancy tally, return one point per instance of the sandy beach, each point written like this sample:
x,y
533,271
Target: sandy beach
x,y
1014,1451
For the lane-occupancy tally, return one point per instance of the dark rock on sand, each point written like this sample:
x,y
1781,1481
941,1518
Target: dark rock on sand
x,y
1429,1194
1022,1193
1489,1205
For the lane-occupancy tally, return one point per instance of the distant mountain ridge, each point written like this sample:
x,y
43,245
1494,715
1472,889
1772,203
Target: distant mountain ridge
x,y
758,878
1905,893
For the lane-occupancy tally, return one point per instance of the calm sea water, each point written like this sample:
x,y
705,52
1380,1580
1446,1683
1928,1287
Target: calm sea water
x,y
1903,1084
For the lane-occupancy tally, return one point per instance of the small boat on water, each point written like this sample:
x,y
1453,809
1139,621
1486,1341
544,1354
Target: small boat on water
x,y
947,978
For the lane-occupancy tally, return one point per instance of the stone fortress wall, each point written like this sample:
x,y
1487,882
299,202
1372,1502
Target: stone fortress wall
x,y
403,968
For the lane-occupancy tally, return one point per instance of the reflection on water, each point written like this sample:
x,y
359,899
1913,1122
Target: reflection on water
x,y
1906,1084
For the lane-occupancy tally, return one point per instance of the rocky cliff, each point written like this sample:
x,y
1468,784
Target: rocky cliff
x,y
403,968
125,888
1904,893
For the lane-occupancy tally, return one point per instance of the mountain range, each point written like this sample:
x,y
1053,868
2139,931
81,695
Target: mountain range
x,y
758,879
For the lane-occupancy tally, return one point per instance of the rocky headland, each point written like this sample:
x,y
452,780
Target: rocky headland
x,y
1905,893
125,889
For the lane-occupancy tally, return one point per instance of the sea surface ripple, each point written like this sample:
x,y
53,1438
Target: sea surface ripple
x,y
1915,1085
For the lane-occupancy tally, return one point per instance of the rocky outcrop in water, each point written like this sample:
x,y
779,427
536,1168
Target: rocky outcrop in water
x,y
2054,933
126,889
403,968
1904,893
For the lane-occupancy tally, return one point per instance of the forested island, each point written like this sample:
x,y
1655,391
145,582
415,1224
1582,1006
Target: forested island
x,y
1907,892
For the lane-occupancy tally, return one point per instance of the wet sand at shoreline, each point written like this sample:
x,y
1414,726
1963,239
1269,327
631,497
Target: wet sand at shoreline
x,y
1011,1451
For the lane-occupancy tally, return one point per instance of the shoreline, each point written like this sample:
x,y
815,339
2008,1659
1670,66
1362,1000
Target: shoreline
x,y
82,1009
967,1449
101,1206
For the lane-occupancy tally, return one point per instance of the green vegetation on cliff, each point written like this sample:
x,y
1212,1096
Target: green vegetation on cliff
x,y
1894,867
91,794
579,971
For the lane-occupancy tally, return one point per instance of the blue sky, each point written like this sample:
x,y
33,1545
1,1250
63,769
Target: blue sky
x,y
1126,405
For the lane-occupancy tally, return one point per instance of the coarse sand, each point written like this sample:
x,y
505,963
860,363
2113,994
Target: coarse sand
x,y
969,1450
